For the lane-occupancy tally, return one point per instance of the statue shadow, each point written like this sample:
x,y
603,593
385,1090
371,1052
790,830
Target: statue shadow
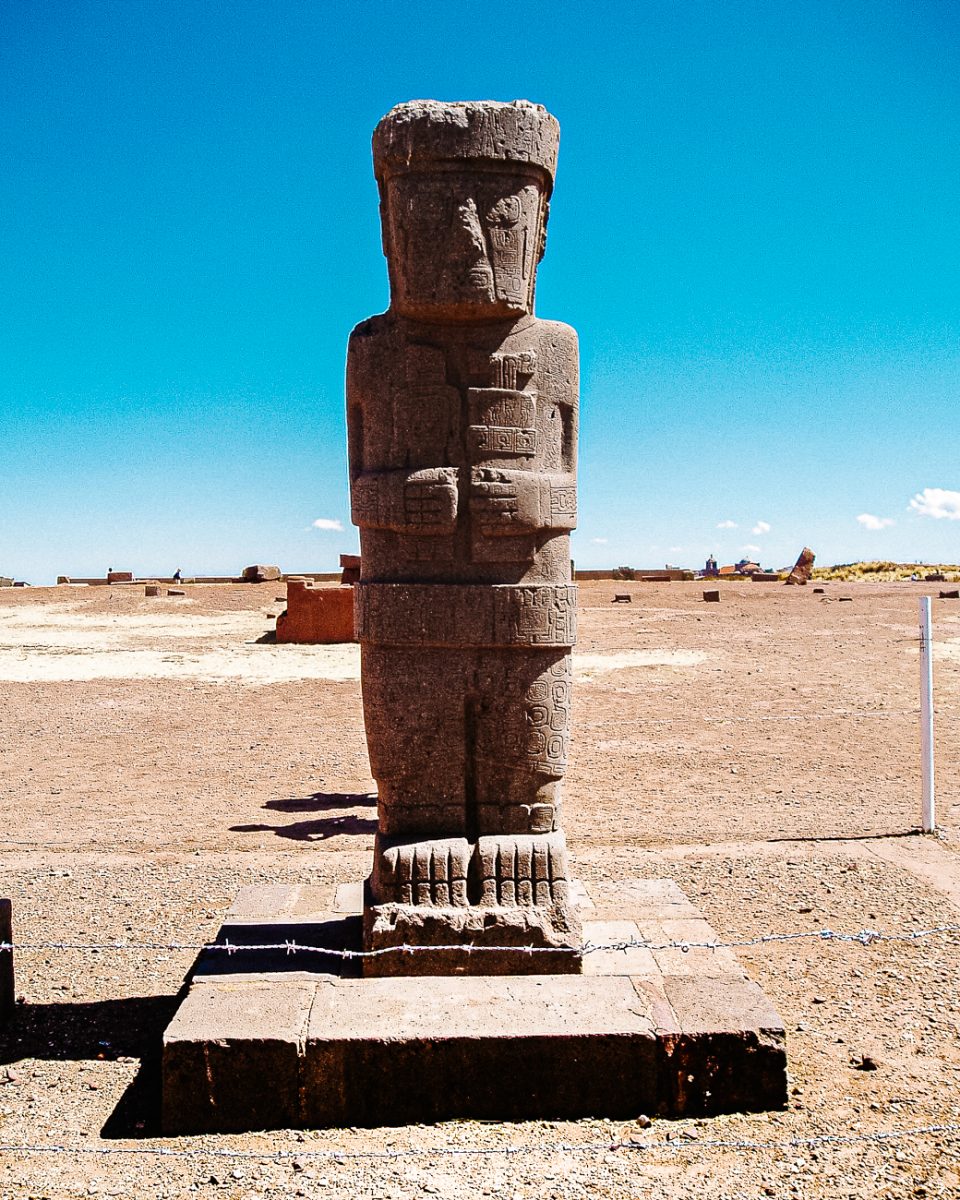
x,y
98,1030
323,802
319,829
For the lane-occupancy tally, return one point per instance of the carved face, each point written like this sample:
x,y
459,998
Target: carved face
x,y
464,244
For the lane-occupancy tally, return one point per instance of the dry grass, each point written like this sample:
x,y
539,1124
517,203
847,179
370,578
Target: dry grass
x,y
886,572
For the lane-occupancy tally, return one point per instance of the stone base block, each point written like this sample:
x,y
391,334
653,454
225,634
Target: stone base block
x,y
530,940
266,1039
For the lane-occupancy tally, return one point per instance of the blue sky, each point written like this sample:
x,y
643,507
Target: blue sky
x,y
755,231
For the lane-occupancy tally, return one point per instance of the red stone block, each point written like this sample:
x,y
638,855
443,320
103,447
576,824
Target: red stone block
x,y
316,614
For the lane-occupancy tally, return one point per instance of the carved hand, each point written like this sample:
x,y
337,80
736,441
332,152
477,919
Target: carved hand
x,y
420,502
430,501
504,503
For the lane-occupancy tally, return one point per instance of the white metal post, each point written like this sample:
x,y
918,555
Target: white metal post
x,y
928,814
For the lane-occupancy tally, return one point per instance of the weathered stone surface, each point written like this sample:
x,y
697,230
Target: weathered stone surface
x,y
119,577
478,1047
660,1032
349,568
259,573
803,568
316,615
462,422
8,996
152,589
248,1075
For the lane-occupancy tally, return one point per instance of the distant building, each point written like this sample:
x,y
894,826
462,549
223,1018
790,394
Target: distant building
x,y
745,567
711,571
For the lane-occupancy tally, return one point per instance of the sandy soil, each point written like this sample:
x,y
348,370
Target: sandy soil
x,y
156,755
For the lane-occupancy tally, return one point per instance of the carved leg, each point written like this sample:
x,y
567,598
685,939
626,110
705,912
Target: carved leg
x,y
413,711
522,740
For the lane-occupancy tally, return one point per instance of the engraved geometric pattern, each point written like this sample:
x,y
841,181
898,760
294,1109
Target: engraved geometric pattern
x,y
502,440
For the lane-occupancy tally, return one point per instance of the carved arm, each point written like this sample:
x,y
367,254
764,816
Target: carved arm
x,y
419,502
507,503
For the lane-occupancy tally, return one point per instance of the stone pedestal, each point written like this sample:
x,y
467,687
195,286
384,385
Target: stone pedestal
x,y
8,994
660,1032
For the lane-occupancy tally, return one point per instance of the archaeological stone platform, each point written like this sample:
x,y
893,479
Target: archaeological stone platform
x,y
266,1039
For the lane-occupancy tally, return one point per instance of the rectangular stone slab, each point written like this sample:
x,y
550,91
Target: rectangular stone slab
x,y
271,1040
407,1049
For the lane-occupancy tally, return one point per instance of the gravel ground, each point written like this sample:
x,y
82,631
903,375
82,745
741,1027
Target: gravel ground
x,y
761,752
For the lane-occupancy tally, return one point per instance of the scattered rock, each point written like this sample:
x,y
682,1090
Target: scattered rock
x,y
259,573
864,1062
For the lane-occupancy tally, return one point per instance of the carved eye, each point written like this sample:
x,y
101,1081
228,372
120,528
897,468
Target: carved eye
x,y
506,211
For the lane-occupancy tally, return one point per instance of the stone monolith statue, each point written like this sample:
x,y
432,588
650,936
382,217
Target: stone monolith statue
x,y
462,418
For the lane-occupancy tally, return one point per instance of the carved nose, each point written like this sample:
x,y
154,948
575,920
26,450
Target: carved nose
x,y
469,243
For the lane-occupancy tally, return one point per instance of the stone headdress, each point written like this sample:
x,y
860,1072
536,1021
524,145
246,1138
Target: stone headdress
x,y
424,133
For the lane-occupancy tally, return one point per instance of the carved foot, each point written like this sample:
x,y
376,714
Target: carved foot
x,y
500,906
522,869
432,873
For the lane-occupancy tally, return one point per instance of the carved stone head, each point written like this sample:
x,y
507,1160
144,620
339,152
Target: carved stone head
x,y
464,191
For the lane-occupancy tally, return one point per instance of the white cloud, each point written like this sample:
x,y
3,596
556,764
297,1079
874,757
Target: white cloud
x,y
674,549
329,524
749,549
760,527
869,521
726,524
937,502
599,541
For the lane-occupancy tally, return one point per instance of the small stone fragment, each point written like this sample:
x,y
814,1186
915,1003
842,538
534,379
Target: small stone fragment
x,y
864,1062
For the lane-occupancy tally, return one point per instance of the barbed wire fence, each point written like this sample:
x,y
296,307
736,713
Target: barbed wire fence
x,y
673,1143
862,937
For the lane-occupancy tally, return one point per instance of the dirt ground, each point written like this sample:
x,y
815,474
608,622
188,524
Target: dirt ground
x,y
158,754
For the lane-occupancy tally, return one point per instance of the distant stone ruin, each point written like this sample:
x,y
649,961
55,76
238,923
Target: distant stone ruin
x,y
316,615
261,574
802,571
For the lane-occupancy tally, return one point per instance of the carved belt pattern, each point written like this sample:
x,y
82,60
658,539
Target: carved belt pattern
x,y
466,615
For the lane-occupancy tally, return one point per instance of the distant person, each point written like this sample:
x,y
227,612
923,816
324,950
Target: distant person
x,y
178,576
